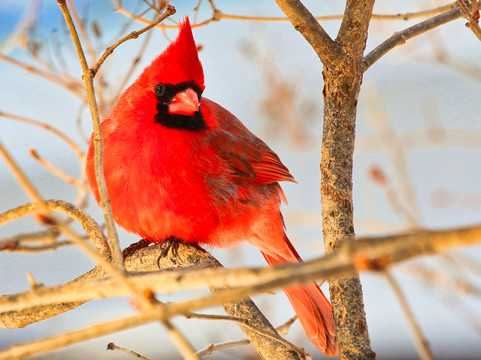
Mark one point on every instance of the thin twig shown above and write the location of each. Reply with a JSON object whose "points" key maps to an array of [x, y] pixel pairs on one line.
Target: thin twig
{"points": [[181, 342], [420, 341], [245, 323], [12, 242], [75, 147], [90, 226], [219, 346], [97, 141], [400, 37], [219, 15], [57, 172], [133, 65], [74, 86], [83, 31], [282, 329], [112, 346], [170, 10], [473, 23], [78, 123], [37, 248]]}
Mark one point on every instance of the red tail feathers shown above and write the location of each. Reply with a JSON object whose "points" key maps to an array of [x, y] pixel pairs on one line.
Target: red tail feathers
{"points": [[311, 306]]}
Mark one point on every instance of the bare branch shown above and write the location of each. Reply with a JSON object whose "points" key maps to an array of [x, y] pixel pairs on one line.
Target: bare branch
{"points": [[83, 31], [224, 345], [400, 37], [369, 253], [304, 22], [420, 341], [473, 18], [90, 226], [48, 127], [112, 346], [17, 247], [20, 318], [57, 172], [180, 341], [12, 242], [245, 323], [170, 10], [74, 86], [218, 15], [97, 140]]}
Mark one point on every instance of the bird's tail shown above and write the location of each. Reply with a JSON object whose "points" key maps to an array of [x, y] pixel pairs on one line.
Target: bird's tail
{"points": [[310, 304]]}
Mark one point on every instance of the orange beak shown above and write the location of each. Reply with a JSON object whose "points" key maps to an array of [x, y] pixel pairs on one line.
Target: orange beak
{"points": [[184, 103]]}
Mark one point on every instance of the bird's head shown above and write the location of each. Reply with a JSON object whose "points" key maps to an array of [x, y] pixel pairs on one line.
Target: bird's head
{"points": [[169, 90]]}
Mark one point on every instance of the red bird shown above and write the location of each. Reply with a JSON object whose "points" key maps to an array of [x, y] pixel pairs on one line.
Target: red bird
{"points": [[179, 165]]}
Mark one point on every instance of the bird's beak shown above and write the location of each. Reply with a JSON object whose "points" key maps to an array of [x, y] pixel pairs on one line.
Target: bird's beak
{"points": [[185, 103]]}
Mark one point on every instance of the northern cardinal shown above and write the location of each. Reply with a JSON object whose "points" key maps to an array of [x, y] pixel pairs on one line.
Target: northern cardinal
{"points": [[179, 165]]}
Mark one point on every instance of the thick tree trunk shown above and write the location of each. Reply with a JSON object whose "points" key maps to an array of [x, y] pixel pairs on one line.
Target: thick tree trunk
{"points": [[342, 83], [341, 89]]}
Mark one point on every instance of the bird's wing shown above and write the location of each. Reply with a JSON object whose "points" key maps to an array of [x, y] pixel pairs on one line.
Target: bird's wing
{"points": [[252, 160]]}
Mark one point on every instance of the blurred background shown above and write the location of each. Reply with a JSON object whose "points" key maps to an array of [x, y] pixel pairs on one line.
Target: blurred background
{"points": [[417, 160]]}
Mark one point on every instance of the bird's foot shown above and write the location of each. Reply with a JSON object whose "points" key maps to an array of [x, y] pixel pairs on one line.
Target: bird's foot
{"points": [[142, 243], [172, 243]]}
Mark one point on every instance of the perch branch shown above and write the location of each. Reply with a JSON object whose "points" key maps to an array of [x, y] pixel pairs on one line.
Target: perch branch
{"points": [[190, 256], [371, 253]]}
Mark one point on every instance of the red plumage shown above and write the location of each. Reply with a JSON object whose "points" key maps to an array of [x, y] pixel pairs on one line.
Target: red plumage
{"points": [[213, 183]]}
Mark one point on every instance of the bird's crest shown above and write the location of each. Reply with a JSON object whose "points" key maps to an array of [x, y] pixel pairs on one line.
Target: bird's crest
{"points": [[178, 63]]}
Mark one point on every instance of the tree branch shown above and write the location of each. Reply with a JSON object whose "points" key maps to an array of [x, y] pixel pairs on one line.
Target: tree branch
{"points": [[219, 15], [68, 140], [473, 18], [304, 22], [90, 226], [420, 341], [170, 10], [97, 140], [368, 253], [400, 37], [151, 259], [352, 34]]}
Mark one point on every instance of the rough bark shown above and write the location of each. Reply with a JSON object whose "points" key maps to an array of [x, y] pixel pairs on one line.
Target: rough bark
{"points": [[342, 83], [188, 255], [342, 73]]}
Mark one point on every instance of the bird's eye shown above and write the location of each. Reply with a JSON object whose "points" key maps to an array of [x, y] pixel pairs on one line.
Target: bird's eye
{"points": [[159, 89]]}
